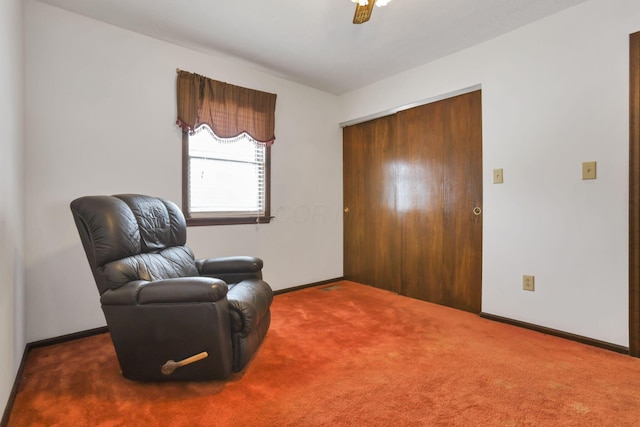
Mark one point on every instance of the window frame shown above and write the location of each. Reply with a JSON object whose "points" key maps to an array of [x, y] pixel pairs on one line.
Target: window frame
{"points": [[223, 220]]}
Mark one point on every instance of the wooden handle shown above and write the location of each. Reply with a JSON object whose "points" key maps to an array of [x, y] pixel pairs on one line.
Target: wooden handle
{"points": [[170, 366]]}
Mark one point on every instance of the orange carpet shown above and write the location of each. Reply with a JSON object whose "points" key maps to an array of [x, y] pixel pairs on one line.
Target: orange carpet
{"points": [[349, 354]]}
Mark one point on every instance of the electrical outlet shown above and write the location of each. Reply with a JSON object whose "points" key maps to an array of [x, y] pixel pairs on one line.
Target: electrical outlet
{"points": [[498, 177], [528, 283]]}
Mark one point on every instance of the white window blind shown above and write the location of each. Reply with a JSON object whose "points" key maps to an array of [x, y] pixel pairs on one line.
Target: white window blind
{"points": [[226, 176]]}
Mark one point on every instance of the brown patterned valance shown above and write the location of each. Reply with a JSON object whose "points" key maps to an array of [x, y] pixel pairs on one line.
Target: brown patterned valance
{"points": [[228, 110]]}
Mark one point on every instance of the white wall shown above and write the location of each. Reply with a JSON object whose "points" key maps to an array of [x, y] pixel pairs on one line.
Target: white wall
{"points": [[555, 94], [100, 105], [12, 339]]}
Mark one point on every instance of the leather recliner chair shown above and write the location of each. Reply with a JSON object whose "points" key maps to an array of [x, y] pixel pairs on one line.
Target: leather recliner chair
{"points": [[170, 317]]}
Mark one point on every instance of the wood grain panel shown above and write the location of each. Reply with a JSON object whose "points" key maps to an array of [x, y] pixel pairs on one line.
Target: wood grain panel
{"points": [[420, 195], [371, 237], [462, 263], [634, 197], [411, 182], [442, 238]]}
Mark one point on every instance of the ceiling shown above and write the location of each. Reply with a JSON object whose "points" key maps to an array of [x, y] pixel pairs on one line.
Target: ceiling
{"points": [[314, 42]]}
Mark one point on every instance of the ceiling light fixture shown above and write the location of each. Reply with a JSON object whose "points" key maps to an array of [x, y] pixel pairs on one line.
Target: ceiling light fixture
{"points": [[364, 7], [378, 3]]}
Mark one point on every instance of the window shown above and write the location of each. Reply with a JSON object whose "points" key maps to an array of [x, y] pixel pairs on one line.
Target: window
{"points": [[227, 134], [226, 180]]}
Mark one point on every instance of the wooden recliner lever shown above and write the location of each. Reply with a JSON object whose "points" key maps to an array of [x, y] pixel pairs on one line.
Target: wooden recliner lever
{"points": [[170, 365]]}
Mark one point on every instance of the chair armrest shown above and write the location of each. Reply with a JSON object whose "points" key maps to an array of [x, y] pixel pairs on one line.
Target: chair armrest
{"points": [[249, 302], [179, 290], [227, 265]]}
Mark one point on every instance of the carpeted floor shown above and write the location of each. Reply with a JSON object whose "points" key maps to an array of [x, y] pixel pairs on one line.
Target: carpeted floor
{"points": [[349, 354]]}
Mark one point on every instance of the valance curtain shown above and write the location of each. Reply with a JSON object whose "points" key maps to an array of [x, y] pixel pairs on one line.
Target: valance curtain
{"points": [[228, 110]]}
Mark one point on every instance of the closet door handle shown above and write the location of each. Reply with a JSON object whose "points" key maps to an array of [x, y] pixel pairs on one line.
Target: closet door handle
{"points": [[346, 210], [477, 211]]}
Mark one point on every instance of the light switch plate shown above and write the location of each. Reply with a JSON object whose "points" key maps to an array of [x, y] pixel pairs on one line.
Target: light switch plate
{"points": [[588, 170], [528, 283], [498, 177]]}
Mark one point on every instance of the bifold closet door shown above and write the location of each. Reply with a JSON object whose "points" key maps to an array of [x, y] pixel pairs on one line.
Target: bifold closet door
{"points": [[371, 228]]}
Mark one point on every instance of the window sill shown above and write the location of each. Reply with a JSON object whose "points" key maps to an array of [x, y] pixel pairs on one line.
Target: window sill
{"points": [[195, 222]]}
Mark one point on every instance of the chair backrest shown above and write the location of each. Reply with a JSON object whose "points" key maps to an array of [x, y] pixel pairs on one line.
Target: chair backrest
{"points": [[129, 237]]}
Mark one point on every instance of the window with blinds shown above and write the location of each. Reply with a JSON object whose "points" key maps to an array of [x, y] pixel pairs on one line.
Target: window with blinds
{"points": [[227, 178]]}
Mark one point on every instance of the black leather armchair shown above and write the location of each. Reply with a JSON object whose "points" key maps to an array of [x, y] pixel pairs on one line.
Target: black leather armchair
{"points": [[170, 316]]}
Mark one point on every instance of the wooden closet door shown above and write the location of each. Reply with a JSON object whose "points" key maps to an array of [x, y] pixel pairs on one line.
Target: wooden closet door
{"points": [[371, 228], [442, 237], [420, 146], [411, 183], [462, 246]]}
